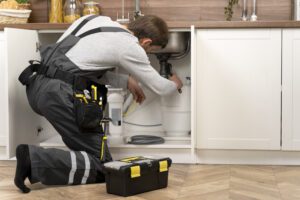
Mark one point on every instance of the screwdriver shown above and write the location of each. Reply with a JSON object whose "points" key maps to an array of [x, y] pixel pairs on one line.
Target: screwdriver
{"points": [[94, 92], [81, 96]]}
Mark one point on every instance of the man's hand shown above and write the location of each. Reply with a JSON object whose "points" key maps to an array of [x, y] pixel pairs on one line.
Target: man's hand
{"points": [[176, 80], [136, 90]]}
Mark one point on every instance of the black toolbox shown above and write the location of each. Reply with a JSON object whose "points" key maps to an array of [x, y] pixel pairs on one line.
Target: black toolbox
{"points": [[135, 175]]}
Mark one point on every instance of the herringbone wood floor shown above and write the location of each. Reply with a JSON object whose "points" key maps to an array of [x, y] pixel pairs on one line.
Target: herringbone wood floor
{"points": [[186, 182]]}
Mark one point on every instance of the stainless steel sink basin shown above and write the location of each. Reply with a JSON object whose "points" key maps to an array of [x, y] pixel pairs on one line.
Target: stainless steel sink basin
{"points": [[178, 43], [177, 48]]}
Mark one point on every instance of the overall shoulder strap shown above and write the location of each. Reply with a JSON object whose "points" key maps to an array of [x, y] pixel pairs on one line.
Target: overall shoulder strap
{"points": [[95, 30], [58, 45], [86, 20], [102, 29]]}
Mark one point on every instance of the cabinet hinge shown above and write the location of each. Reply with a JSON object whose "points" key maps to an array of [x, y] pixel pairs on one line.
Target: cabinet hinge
{"points": [[38, 46]]}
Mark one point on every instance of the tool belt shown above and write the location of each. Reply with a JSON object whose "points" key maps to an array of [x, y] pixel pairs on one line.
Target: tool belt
{"points": [[36, 67], [89, 97]]}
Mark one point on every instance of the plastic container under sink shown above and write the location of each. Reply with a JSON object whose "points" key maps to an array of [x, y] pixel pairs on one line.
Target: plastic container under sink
{"points": [[176, 113]]}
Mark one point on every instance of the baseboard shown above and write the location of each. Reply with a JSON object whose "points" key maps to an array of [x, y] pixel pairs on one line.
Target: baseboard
{"points": [[247, 157], [177, 155]]}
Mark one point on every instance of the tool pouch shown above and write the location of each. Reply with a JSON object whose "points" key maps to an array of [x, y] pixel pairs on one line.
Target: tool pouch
{"points": [[89, 112], [88, 116]]}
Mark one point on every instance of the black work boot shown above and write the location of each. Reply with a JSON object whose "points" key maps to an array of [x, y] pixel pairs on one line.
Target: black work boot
{"points": [[23, 169]]}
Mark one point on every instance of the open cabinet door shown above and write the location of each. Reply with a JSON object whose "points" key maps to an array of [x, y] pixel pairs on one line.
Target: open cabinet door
{"points": [[21, 46], [3, 119], [193, 87]]}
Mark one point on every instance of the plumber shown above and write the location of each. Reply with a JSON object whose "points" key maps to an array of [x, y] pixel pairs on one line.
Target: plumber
{"points": [[67, 87]]}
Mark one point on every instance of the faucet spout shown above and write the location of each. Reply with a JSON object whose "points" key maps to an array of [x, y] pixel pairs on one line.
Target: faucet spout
{"points": [[254, 16], [137, 12], [245, 11]]}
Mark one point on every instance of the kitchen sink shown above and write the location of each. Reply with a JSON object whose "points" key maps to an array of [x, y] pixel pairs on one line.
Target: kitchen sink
{"points": [[178, 43]]}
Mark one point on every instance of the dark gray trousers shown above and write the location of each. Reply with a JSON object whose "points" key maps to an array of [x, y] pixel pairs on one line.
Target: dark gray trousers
{"points": [[53, 99]]}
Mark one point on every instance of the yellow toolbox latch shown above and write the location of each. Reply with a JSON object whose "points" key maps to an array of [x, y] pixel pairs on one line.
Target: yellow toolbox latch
{"points": [[135, 171], [163, 166]]}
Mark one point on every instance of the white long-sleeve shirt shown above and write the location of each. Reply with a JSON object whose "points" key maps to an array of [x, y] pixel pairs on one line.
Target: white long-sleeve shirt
{"points": [[108, 50]]}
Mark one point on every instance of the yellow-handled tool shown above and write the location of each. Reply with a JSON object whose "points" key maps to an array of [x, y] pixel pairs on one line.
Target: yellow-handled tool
{"points": [[94, 92], [81, 96], [102, 156]]}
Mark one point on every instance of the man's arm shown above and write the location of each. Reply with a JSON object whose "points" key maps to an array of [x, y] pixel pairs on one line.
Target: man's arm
{"points": [[116, 80], [123, 81], [136, 62]]}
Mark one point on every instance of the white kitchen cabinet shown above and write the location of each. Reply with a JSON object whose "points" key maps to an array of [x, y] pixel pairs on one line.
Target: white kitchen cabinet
{"points": [[20, 125], [291, 89], [23, 123], [238, 89]]}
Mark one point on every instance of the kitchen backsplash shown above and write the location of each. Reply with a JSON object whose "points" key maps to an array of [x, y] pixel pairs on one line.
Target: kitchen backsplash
{"points": [[182, 10]]}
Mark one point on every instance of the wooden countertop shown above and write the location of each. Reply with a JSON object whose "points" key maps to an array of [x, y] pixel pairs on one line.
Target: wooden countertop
{"points": [[236, 24], [176, 24], [36, 26]]}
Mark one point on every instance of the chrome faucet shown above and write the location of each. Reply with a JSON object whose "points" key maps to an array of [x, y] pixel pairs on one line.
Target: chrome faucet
{"points": [[245, 11], [254, 16], [138, 11]]}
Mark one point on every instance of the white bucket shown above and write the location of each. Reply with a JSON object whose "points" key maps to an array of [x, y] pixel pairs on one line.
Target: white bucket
{"points": [[176, 112]]}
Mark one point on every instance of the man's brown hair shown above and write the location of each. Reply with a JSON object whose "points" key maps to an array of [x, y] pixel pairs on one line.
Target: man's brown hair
{"points": [[150, 26]]}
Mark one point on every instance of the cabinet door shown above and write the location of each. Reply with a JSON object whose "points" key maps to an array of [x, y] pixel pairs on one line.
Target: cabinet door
{"points": [[238, 89], [291, 89], [3, 119], [23, 122]]}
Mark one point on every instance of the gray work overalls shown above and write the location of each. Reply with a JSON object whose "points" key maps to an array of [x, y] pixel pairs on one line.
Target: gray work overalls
{"points": [[50, 93]]}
